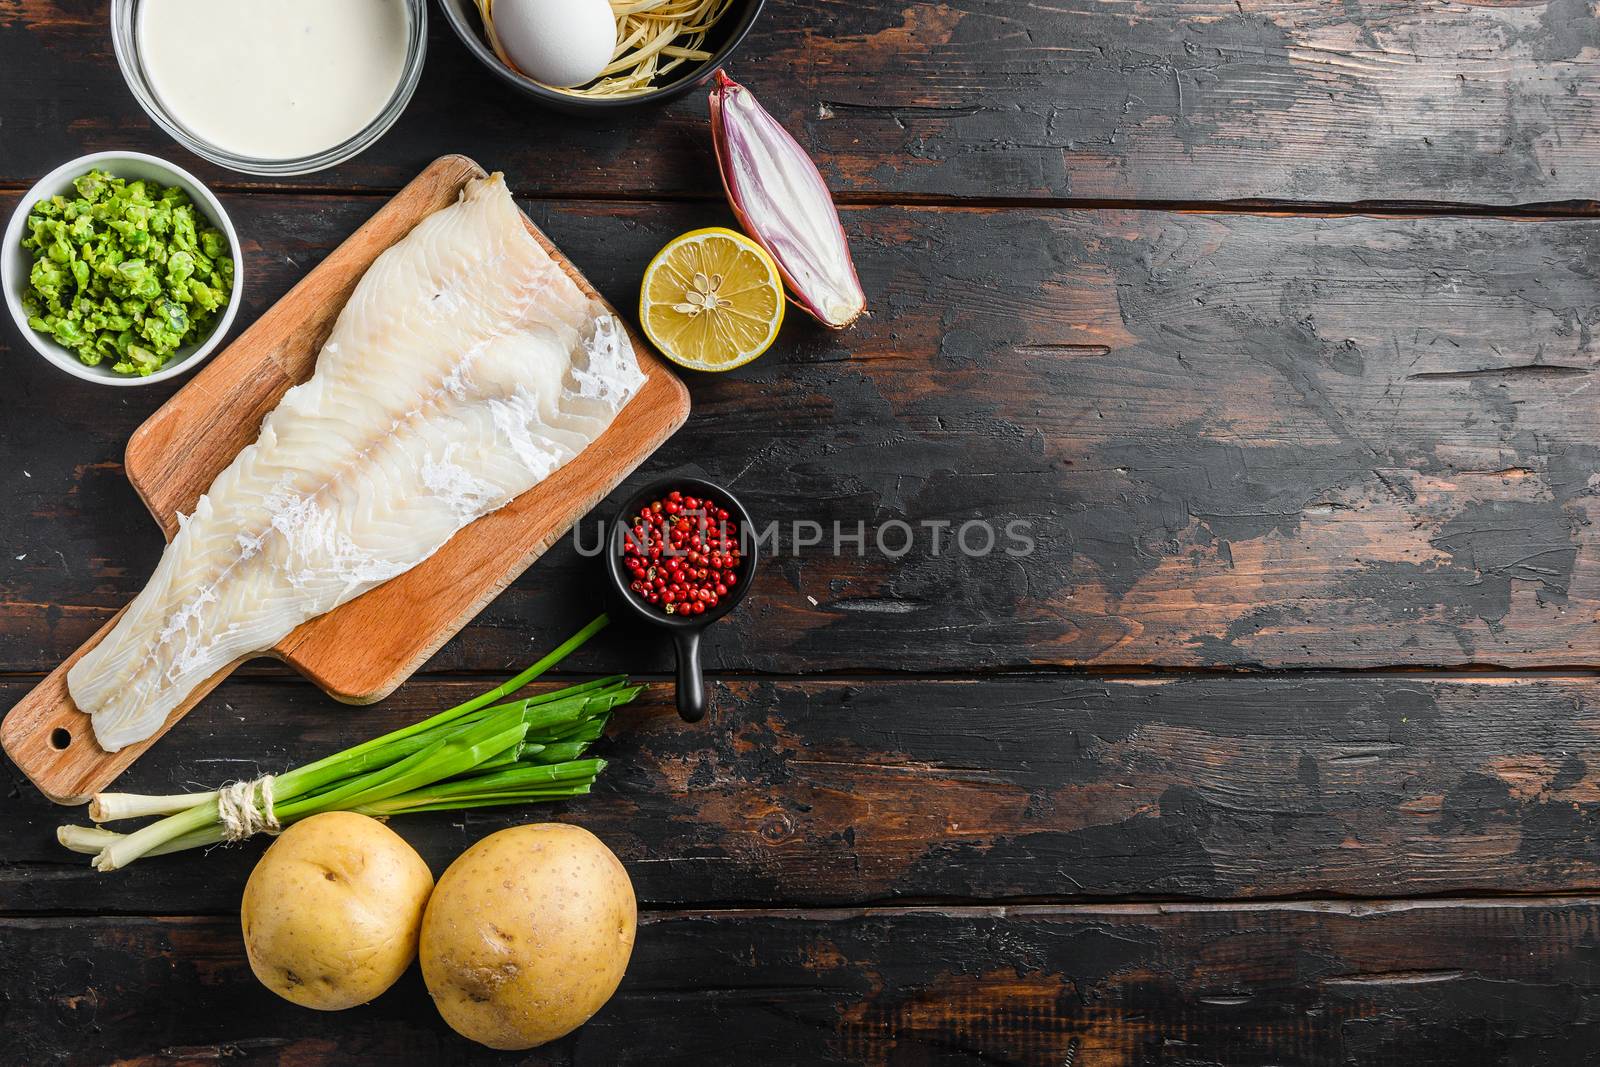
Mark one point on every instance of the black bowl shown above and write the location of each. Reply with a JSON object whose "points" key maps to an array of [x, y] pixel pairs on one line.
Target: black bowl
{"points": [[685, 629], [724, 39]]}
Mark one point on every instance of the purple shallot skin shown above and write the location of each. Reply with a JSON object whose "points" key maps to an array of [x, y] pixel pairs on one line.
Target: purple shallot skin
{"points": [[784, 205]]}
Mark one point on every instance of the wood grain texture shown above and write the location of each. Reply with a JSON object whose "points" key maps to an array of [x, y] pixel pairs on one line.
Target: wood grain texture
{"points": [[1482, 103], [1437, 984], [825, 793], [1235, 441], [363, 650]]}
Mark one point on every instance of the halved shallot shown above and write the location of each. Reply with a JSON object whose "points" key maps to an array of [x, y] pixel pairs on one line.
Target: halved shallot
{"points": [[783, 203]]}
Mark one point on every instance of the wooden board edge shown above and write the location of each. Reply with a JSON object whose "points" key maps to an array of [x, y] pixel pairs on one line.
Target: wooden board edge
{"points": [[395, 679], [659, 376], [218, 367], [27, 729]]}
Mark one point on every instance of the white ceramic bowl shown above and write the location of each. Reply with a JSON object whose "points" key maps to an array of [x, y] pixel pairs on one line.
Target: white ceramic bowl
{"points": [[125, 40], [16, 262]]}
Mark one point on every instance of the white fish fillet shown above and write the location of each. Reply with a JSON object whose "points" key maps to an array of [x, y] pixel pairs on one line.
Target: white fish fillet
{"points": [[465, 368]]}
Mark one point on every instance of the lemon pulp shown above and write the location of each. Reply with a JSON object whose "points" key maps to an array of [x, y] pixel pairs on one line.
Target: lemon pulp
{"points": [[712, 300]]}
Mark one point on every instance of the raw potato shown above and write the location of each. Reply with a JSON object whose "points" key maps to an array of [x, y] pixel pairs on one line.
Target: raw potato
{"points": [[528, 935], [331, 912]]}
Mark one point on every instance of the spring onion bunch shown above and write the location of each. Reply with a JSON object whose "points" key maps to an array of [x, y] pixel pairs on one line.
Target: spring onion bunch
{"points": [[486, 752]]}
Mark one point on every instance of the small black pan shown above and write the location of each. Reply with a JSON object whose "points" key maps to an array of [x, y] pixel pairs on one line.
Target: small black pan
{"points": [[686, 630]]}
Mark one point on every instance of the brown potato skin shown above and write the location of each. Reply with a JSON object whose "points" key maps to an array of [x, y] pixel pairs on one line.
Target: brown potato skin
{"points": [[332, 911], [527, 935]]}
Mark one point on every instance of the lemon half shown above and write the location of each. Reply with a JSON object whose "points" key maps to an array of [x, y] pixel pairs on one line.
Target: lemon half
{"points": [[711, 300]]}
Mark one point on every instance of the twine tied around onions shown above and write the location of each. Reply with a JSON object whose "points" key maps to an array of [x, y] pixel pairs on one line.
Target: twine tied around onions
{"points": [[245, 808]]}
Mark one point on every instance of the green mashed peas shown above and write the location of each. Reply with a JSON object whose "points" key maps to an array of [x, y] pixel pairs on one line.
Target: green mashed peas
{"points": [[126, 271]]}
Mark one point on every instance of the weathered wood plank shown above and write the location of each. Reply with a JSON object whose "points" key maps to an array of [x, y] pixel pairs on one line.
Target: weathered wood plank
{"points": [[1440, 983], [1234, 440], [1186, 100], [854, 792]]}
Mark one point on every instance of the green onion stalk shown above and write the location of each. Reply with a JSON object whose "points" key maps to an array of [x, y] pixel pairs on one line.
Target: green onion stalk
{"points": [[486, 752]]}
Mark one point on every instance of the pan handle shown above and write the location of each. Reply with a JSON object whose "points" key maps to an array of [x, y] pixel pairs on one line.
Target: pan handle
{"points": [[691, 685]]}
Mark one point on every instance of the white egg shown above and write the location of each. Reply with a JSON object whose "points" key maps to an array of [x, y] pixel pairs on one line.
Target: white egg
{"points": [[558, 42]]}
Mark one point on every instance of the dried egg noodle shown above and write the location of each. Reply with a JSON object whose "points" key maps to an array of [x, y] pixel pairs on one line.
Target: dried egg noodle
{"points": [[654, 37]]}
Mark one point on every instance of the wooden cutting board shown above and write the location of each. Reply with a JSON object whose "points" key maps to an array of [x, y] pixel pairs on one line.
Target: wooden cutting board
{"points": [[362, 651]]}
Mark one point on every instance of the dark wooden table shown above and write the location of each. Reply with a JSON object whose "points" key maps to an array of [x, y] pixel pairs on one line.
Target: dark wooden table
{"points": [[1273, 319]]}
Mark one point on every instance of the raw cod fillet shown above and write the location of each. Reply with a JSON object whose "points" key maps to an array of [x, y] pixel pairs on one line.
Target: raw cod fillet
{"points": [[465, 368]]}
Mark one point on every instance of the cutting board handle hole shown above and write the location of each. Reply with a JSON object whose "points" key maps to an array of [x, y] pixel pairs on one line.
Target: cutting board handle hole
{"points": [[60, 738]]}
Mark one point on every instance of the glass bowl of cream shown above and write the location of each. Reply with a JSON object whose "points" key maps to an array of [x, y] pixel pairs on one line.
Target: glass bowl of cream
{"points": [[272, 87]]}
